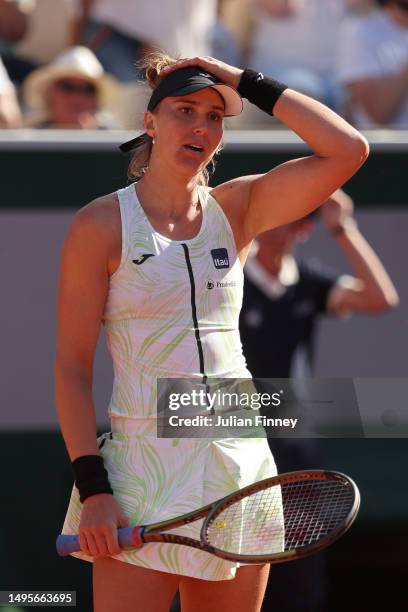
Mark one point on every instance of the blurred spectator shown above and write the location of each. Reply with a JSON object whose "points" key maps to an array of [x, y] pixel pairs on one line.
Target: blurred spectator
{"points": [[362, 6], [71, 92], [237, 14], [121, 31], [41, 43], [10, 115], [373, 64], [13, 26], [284, 298], [224, 45], [13, 19], [294, 41]]}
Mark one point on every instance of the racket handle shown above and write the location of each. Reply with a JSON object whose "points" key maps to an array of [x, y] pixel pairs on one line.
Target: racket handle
{"points": [[127, 536]]}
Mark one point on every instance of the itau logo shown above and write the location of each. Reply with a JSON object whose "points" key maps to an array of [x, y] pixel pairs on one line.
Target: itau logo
{"points": [[220, 258]]}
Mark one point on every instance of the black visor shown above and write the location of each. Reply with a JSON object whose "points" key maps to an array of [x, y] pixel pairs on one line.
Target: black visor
{"points": [[185, 81]]}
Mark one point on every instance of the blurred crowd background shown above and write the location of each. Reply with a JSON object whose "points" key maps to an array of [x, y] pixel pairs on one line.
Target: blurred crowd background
{"points": [[73, 63]]}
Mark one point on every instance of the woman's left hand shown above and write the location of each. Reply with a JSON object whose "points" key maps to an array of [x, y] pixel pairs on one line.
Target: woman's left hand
{"points": [[230, 75]]}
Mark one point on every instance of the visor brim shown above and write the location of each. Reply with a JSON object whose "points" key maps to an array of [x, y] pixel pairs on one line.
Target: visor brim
{"points": [[232, 100]]}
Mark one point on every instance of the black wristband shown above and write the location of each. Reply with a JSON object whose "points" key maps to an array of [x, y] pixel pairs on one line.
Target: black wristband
{"points": [[91, 476], [259, 90]]}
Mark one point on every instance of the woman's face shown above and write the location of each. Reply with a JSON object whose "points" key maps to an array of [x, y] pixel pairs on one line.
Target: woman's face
{"points": [[72, 102], [187, 130]]}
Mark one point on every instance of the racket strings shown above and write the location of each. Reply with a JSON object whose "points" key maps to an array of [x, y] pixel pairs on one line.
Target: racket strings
{"points": [[313, 510], [253, 524], [281, 518]]}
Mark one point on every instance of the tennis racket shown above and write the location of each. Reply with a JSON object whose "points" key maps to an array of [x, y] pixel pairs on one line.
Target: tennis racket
{"points": [[274, 520]]}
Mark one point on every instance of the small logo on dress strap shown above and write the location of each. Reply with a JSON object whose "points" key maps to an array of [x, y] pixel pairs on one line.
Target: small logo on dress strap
{"points": [[142, 258]]}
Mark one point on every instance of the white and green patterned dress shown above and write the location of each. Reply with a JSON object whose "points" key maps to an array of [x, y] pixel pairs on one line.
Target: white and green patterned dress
{"points": [[171, 312]]}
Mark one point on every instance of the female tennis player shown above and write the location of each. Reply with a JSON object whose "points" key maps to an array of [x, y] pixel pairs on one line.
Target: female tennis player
{"points": [[159, 263]]}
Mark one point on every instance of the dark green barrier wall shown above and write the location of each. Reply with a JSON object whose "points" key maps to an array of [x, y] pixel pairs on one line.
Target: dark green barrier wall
{"points": [[72, 179], [48, 172]]}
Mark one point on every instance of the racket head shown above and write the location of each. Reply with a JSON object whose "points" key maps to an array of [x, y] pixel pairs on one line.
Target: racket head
{"points": [[282, 518]]}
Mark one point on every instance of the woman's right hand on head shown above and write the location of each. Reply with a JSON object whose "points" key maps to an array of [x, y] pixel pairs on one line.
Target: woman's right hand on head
{"points": [[226, 73], [101, 516]]}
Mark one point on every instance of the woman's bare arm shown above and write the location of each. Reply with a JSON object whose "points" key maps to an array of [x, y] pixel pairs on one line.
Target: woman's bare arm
{"points": [[295, 188], [82, 290]]}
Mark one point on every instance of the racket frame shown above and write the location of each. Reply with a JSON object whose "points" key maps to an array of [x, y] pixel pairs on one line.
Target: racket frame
{"points": [[135, 537], [153, 533]]}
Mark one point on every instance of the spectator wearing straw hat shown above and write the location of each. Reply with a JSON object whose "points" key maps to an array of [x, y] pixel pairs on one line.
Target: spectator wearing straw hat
{"points": [[72, 92]]}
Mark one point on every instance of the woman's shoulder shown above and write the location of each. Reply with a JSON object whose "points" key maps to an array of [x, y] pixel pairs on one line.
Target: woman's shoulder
{"points": [[230, 188], [99, 212], [99, 219], [233, 196]]}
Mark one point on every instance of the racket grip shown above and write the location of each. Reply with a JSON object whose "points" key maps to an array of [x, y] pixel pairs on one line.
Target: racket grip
{"points": [[127, 536]]}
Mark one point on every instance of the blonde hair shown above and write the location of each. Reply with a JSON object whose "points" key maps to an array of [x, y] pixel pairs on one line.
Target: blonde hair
{"points": [[151, 65]]}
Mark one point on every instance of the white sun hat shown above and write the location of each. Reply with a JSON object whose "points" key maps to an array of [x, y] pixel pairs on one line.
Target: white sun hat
{"points": [[75, 62]]}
